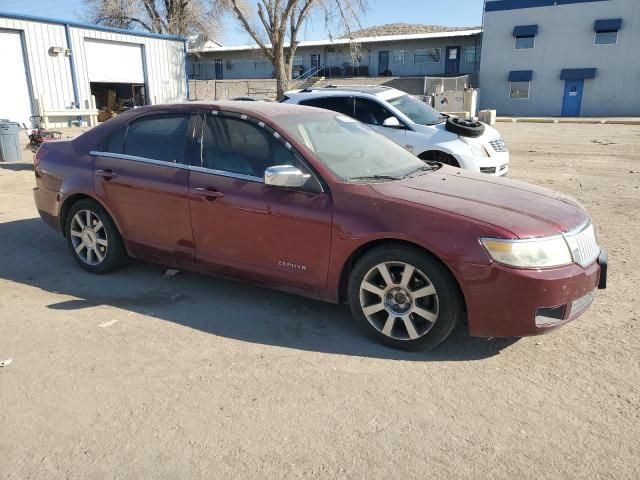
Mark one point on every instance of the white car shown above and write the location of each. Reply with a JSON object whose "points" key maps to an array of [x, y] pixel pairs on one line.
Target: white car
{"points": [[416, 126]]}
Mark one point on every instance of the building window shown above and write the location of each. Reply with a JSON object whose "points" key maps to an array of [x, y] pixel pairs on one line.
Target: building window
{"points": [[261, 65], [606, 38], [398, 57], [519, 90], [297, 60], [427, 55], [607, 31], [229, 65], [471, 54], [525, 42]]}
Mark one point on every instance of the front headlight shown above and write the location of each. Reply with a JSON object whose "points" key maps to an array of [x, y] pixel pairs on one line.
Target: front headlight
{"points": [[476, 147], [530, 253]]}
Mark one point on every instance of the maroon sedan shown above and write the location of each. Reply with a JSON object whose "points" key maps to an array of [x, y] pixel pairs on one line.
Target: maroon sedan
{"points": [[316, 203]]}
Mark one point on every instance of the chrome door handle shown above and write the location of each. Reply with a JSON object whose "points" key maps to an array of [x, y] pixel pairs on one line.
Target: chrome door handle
{"points": [[107, 174], [205, 192]]}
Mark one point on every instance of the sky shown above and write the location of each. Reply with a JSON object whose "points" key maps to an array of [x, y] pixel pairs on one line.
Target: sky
{"points": [[431, 12]]}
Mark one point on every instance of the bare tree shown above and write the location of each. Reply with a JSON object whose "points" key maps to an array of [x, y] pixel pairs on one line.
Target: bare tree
{"points": [[176, 17], [276, 26]]}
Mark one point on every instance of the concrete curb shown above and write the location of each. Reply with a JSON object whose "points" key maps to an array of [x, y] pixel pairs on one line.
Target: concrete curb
{"points": [[600, 121]]}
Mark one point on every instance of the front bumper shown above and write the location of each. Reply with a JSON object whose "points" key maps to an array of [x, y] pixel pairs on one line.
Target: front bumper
{"points": [[496, 165], [509, 302]]}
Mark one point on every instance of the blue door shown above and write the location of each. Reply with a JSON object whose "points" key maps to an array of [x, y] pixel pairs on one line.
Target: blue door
{"points": [[218, 64], [452, 60], [572, 98], [383, 63]]}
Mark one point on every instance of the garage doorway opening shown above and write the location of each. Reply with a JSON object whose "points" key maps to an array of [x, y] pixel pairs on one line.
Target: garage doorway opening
{"points": [[115, 98]]}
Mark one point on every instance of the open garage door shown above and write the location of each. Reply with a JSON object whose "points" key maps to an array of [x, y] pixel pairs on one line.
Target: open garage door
{"points": [[15, 102], [111, 62], [116, 76]]}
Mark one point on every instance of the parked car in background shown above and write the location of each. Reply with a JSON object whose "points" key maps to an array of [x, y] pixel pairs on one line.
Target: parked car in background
{"points": [[316, 203], [414, 125], [251, 98]]}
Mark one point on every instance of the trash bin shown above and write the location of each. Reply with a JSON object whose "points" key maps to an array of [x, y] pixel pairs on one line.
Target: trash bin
{"points": [[10, 142]]}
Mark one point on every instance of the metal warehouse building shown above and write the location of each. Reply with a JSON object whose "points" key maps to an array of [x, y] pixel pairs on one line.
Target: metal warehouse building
{"points": [[58, 68], [561, 57]]}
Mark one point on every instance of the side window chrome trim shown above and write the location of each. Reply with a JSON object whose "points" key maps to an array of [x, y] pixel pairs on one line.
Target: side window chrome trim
{"points": [[162, 163], [134, 158], [223, 173]]}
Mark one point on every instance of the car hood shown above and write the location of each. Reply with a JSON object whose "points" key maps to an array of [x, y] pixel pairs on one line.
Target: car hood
{"points": [[525, 210]]}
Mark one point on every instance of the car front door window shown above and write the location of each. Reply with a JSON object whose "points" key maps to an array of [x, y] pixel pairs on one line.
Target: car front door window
{"points": [[245, 148]]}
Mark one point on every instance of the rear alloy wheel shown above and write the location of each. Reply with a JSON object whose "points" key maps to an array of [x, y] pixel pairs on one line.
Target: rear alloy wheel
{"points": [[89, 237], [93, 238], [404, 298]]}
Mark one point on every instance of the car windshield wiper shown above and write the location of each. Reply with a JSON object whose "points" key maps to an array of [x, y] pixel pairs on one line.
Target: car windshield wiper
{"points": [[439, 120], [374, 177], [422, 169]]}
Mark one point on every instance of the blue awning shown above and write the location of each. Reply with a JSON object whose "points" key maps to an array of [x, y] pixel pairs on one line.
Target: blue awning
{"points": [[520, 75], [525, 31], [577, 73], [608, 25]]}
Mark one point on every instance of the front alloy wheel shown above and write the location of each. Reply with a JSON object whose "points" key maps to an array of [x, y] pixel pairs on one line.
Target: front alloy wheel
{"points": [[404, 297], [399, 300]]}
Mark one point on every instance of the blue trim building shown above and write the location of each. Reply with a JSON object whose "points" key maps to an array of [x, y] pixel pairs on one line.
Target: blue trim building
{"points": [[561, 57]]}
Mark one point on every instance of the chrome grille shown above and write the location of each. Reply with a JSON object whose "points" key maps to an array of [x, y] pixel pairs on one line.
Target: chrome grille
{"points": [[583, 245], [498, 145]]}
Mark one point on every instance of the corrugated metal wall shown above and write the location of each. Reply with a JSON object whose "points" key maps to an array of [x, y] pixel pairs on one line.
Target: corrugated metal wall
{"points": [[164, 64], [50, 75]]}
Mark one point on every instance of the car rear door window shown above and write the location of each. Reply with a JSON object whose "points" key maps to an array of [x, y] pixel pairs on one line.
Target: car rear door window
{"points": [[370, 112], [158, 137], [115, 143], [342, 105], [238, 146]]}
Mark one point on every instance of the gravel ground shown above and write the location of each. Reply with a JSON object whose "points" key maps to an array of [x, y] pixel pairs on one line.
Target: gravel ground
{"points": [[133, 375]]}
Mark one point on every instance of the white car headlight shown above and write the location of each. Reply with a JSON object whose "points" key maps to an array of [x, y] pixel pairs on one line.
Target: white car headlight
{"points": [[476, 147], [530, 253]]}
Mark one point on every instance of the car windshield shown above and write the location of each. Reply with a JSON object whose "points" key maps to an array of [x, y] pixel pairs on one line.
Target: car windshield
{"points": [[351, 150], [419, 112]]}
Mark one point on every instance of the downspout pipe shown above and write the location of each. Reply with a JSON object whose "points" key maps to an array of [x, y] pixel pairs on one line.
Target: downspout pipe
{"points": [[186, 71], [72, 65]]}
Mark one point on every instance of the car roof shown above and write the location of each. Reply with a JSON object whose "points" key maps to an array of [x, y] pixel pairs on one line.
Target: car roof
{"points": [[376, 90], [265, 109]]}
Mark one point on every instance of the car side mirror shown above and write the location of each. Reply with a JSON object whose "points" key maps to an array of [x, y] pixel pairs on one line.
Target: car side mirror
{"points": [[392, 122], [285, 176]]}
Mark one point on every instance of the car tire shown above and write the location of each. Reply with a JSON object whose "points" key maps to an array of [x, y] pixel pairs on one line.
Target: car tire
{"points": [[92, 237], [414, 305], [466, 127]]}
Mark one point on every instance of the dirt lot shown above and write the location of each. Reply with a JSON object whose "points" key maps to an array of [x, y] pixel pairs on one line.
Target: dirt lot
{"points": [[133, 375]]}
